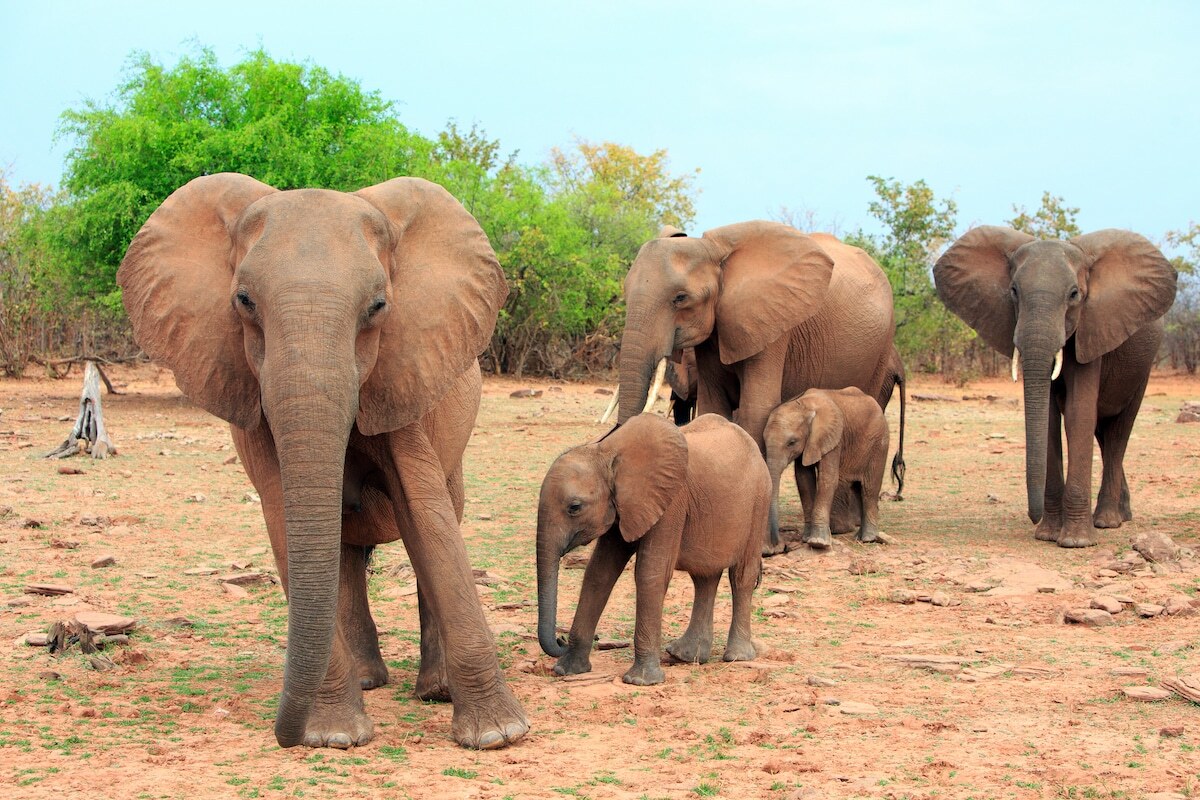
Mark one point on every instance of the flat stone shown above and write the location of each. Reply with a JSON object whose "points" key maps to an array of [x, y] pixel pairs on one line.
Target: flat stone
{"points": [[857, 709], [37, 639], [817, 680], [1178, 605], [48, 588], [245, 578], [1146, 694], [233, 590], [200, 571], [944, 600], [1155, 546], [104, 561], [1106, 603], [1087, 616], [1147, 610], [1047, 589], [903, 596], [1107, 573], [1130, 672]]}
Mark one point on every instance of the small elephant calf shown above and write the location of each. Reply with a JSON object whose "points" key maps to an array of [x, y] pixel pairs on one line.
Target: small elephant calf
{"points": [[834, 437], [695, 498]]}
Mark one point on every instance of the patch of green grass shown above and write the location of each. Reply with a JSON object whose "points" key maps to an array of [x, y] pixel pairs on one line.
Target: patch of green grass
{"points": [[458, 772], [706, 790]]}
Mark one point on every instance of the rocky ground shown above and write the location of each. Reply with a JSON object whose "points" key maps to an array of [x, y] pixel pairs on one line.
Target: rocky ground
{"points": [[142, 633]]}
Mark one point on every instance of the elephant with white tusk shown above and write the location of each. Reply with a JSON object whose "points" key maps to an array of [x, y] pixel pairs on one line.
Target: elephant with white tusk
{"points": [[1083, 321]]}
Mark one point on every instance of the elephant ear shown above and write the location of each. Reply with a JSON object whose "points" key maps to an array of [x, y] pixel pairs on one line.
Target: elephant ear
{"points": [[649, 470], [772, 279], [1130, 283], [825, 427], [973, 279], [176, 283], [447, 288]]}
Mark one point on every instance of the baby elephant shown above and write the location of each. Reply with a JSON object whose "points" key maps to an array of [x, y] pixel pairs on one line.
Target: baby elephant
{"points": [[695, 498], [833, 436]]}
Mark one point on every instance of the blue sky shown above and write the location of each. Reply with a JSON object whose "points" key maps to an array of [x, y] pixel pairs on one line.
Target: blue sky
{"points": [[778, 103]]}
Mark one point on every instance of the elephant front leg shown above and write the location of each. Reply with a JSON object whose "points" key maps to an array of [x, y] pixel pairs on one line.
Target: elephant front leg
{"points": [[608, 561], [806, 487], [652, 574], [486, 713], [827, 481], [1080, 423]]}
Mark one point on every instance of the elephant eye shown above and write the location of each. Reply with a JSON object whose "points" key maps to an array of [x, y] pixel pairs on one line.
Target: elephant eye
{"points": [[1012, 290], [377, 306], [680, 298], [791, 442], [574, 507], [243, 298], [1074, 294]]}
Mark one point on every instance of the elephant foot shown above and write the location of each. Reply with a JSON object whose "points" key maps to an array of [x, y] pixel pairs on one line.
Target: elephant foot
{"points": [[644, 674], [338, 726], [1049, 529], [572, 663], [432, 684], [740, 650], [1078, 536], [1109, 515], [372, 673], [690, 649], [867, 534], [490, 723], [769, 549], [817, 536]]}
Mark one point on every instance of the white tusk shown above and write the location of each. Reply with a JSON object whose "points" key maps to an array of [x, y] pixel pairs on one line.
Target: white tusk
{"points": [[612, 405], [659, 374], [1057, 365], [1016, 359]]}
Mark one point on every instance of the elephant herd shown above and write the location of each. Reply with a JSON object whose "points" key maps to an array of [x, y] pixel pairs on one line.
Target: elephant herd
{"points": [[338, 334]]}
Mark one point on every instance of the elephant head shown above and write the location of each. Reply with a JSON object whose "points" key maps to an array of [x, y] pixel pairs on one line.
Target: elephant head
{"points": [[311, 312], [748, 284], [805, 428], [627, 479], [1029, 298]]}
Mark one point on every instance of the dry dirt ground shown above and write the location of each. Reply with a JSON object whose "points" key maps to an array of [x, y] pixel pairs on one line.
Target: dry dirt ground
{"points": [[1009, 702]]}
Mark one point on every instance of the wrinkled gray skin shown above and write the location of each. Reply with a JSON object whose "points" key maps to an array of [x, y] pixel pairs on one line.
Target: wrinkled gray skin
{"points": [[692, 498], [770, 311], [1097, 298], [834, 437]]}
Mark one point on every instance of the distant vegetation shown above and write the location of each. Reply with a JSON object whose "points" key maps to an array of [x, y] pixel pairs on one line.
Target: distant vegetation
{"points": [[565, 230]]}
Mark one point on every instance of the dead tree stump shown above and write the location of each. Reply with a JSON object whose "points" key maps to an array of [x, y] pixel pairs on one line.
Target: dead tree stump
{"points": [[88, 435]]}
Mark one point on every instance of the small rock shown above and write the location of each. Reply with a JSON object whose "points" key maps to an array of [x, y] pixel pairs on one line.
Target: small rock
{"points": [[70, 471], [1155, 546], [817, 680], [830, 701], [200, 571], [1171, 730], [613, 644], [1146, 694], [526, 393], [944, 600], [1109, 604], [48, 589], [31, 523], [603, 391], [863, 566], [37, 639], [857, 709], [233, 590], [101, 663], [1147, 610], [903, 596], [231, 460], [1130, 672], [980, 586], [198, 497], [179, 622], [484, 517], [1087, 616], [50, 675], [245, 578], [63, 544], [1172, 647], [1179, 605], [1107, 573], [104, 561], [994, 499], [1047, 589]]}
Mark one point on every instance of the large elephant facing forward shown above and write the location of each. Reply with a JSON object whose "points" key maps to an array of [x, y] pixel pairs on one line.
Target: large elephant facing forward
{"points": [[1083, 318], [771, 312], [338, 335]]}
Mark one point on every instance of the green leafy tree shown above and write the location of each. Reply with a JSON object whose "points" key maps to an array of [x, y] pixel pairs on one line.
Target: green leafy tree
{"points": [[1182, 340], [1053, 219], [289, 125]]}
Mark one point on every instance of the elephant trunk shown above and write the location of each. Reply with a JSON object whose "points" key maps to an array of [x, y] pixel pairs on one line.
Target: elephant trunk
{"points": [[1037, 356], [775, 466], [641, 351], [548, 556], [310, 411]]}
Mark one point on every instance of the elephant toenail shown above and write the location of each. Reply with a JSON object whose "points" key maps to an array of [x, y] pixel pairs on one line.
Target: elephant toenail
{"points": [[341, 741], [491, 740], [515, 730]]}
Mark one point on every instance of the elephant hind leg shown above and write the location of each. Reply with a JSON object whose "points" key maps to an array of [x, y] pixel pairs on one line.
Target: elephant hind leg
{"points": [[744, 578], [695, 646], [1112, 504], [354, 618]]}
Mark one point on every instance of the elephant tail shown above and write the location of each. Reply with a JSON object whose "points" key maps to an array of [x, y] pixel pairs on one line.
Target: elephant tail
{"points": [[898, 466]]}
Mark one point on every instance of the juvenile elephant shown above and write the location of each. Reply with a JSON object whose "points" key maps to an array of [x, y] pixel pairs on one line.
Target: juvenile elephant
{"points": [[835, 437], [771, 313], [693, 498], [1083, 318], [338, 335]]}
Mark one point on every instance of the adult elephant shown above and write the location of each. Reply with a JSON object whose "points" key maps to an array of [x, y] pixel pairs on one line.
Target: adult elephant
{"points": [[338, 334], [771, 313], [1083, 318]]}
